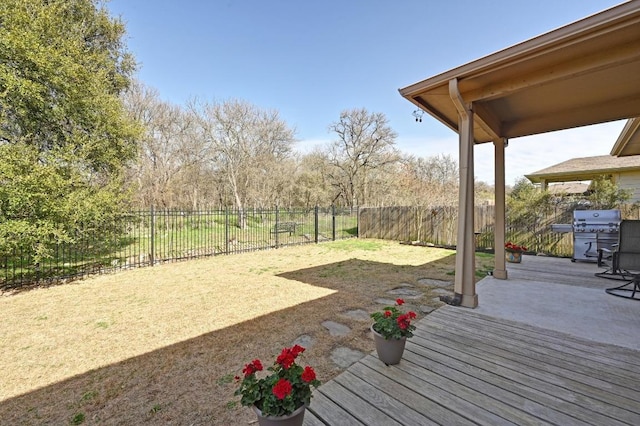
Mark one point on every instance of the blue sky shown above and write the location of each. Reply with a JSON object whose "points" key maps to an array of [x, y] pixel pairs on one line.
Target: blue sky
{"points": [[312, 59]]}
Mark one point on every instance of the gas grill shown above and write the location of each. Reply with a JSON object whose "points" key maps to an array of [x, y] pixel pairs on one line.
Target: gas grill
{"points": [[594, 230]]}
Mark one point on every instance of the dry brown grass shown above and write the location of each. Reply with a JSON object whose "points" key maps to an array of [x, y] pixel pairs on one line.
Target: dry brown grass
{"points": [[160, 345]]}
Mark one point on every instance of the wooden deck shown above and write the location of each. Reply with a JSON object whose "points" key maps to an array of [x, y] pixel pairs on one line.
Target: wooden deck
{"points": [[463, 368]]}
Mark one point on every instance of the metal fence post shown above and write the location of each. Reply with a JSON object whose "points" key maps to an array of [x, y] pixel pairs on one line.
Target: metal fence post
{"points": [[152, 243], [226, 230], [275, 228], [333, 222], [315, 225]]}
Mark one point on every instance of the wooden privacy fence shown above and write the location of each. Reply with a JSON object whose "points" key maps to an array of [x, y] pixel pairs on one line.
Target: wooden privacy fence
{"points": [[438, 226]]}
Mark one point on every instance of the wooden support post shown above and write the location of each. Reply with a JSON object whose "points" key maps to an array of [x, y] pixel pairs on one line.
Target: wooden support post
{"points": [[499, 268], [465, 287]]}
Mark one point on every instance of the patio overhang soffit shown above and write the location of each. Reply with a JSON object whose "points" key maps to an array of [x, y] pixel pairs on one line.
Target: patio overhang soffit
{"points": [[587, 72]]}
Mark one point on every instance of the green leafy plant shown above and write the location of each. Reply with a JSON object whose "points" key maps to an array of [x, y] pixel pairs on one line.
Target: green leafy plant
{"points": [[78, 419], [227, 378], [280, 393], [392, 323]]}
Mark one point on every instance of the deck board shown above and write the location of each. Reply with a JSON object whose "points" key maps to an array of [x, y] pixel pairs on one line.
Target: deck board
{"points": [[618, 392], [620, 359], [550, 354], [327, 411], [380, 398], [519, 380], [431, 412], [512, 387], [465, 368], [444, 397]]}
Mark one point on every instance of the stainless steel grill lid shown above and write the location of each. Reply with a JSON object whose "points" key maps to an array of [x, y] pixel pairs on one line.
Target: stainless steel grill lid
{"points": [[594, 230]]}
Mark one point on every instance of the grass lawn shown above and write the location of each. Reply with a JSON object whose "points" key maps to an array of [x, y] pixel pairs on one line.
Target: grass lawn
{"points": [[161, 345]]}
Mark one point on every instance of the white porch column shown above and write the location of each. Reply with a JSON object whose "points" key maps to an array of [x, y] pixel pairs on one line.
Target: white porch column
{"points": [[499, 268], [465, 286]]}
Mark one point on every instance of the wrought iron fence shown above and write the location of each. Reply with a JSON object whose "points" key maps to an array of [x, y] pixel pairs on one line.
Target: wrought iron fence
{"points": [[149, 237]]}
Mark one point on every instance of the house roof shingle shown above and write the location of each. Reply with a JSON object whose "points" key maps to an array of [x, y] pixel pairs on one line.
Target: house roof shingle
{"points": [[570, 188], [585, 168]]}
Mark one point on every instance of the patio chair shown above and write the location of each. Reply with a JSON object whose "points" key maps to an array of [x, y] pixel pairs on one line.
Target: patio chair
{"points": [[607, 259], [626, 261]]}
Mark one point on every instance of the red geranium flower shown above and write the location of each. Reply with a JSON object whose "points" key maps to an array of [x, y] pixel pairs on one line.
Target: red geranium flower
{"points": [[392, 323], [282, 389], [286, 358], [308, 375], [297, 350], [404, 321], [511, 246], [252, 367]]}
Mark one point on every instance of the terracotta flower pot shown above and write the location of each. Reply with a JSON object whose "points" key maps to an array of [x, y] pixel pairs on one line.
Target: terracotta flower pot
{"points": [[294, 419], [389, 351]]}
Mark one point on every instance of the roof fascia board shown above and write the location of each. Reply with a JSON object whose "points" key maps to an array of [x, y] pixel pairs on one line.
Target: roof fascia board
{"points": [[628, 131], [577, 173]]}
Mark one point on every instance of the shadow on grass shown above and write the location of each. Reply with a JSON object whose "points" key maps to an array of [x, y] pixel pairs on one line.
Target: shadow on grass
{"points": [[190, 382]]}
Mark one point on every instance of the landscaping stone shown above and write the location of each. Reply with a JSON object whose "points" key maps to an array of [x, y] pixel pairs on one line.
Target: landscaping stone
{"points": [[406, 293], [436, 283], [406, 285], [442, 292], [426, 309], [358, 314], [335, 328], [386, 302], [437, 300], [304, 340], [344, 357]]}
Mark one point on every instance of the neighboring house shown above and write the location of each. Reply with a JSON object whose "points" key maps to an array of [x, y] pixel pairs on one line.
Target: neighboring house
{"points": [[624, 171], [575, 189]]}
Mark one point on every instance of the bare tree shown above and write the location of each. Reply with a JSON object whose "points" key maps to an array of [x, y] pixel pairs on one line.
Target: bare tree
{"points": [[170, 165], [311, 186], [247, 146], [431, 181], [364, 143]]}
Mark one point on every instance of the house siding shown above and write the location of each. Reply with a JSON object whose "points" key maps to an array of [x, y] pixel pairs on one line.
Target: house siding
{"points": [[630, 181]]}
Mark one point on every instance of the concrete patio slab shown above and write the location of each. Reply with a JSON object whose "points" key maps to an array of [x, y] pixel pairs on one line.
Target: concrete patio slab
{"points": [[560, 295]]}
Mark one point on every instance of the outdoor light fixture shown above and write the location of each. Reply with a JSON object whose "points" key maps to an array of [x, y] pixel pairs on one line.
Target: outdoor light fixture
{"points": [[418, 115]]}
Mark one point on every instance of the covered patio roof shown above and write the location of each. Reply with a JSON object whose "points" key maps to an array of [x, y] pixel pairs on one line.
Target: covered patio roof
{"points": [[585, 73]]}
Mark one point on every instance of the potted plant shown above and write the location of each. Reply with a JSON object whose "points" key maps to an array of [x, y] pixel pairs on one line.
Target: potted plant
{"points": [[280, 397], [390, 329], [513, 252]]}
